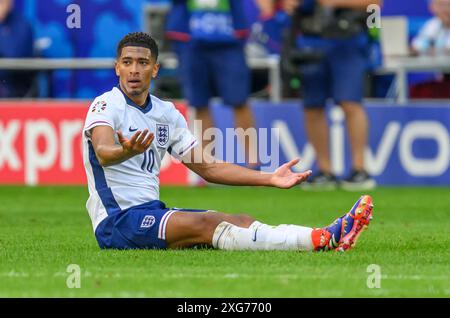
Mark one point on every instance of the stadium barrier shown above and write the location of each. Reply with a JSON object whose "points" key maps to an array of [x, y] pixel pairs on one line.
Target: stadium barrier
{"points": [[410, 145]]}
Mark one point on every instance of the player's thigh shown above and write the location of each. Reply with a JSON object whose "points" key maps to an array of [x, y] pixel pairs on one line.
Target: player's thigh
{"points": [[188, 228], [140, 227], [231, 74]]}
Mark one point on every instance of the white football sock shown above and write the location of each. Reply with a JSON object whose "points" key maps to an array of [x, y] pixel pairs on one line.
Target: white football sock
{"points": [[257, 224], [261, 236], [304, 233]]}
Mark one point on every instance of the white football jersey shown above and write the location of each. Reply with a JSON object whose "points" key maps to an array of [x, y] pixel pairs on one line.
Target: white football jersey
{"points": [[136, 180]]}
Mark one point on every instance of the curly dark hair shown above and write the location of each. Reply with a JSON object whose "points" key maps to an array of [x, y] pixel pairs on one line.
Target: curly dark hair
{"points": [[140, 39]]}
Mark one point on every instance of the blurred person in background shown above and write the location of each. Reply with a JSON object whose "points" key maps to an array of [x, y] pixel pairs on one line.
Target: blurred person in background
{"points": [[266, 39], [333, 42], [434, 36], [434, 40], [268, 27], [16, 41], [209, 38]]}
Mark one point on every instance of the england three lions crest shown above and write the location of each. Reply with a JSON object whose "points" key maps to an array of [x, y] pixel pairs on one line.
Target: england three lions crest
{"points": [[162, 134]]}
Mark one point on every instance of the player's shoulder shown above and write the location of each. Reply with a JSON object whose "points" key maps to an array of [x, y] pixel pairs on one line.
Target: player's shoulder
{"points": [[162, 104], [164, 108], [112, 99]]}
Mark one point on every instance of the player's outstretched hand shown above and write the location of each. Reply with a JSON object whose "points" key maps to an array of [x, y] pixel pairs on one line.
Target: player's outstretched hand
{"points": [[285, 178], [137, 144]]}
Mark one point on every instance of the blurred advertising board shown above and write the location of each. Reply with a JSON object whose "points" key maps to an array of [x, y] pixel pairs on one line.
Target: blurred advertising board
{"points": [[40, 142]]}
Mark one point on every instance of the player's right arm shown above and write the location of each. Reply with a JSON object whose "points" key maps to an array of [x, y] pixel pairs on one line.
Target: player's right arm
{"points": [[109, 153]]}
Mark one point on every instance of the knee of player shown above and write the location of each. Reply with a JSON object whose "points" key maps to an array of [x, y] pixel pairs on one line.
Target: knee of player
{"points": [[246, 220], [205, 224]]}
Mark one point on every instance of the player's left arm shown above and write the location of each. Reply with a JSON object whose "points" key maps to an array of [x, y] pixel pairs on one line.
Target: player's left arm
{"points": [[231, 174]]}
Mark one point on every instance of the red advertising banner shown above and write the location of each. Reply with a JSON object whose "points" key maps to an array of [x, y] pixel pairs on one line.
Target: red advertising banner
{"points": [[40, 143]]}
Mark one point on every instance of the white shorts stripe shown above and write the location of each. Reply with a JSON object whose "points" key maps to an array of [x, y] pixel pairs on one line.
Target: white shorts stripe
{"points": [[163, 224]]}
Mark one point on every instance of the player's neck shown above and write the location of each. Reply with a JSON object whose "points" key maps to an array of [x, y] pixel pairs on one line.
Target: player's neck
{"points": [[140, 100]]}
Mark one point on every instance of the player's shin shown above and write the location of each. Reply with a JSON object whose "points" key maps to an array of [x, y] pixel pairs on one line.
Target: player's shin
{"points": [[261, 237], [317, 239]]}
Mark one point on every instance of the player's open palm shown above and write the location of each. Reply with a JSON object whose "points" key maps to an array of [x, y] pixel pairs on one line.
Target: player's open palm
{"points": [[285, 178], [138, 143]]}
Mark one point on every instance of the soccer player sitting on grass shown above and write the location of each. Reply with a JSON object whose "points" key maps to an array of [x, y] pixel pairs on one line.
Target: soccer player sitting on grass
{"points": [[127, 133]]}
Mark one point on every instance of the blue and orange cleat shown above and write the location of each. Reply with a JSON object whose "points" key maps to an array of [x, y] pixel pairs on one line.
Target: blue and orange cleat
{"points": [[342, 234], [328, 238], [355, 222]]}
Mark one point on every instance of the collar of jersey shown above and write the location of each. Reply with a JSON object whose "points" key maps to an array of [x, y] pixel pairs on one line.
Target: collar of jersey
{"points": [[148, 102]]}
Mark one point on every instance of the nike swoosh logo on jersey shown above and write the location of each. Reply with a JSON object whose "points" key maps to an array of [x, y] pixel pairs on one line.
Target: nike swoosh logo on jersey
{"points": [[132, 129]]}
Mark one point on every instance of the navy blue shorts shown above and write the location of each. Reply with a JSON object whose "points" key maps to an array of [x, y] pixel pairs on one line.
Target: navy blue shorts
{"points": [[340, 76], [208, 71], [139, 227]]}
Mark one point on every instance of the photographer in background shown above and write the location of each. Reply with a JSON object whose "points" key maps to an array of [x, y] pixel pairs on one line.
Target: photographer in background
{"points": [[16, 41], [331, 47]]}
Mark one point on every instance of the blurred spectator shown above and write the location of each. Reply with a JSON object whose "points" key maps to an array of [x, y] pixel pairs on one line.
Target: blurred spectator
{"points": [[267, 38], [434, 37], [266, 35], [16, 41], [209, 38], [332, 48], [434, 40]]}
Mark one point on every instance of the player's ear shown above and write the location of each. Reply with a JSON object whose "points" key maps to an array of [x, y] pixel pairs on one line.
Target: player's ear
{"points": [[116, 66], [156, 70]]}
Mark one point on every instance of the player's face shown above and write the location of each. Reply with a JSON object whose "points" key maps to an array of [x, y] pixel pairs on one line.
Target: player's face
{"points": [[136, 68]]}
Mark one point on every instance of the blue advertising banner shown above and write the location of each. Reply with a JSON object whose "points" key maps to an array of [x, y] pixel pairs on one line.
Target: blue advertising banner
{"points": [[408, 145]]}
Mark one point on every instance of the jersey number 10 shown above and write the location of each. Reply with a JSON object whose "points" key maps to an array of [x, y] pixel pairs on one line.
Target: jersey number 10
{"points": [[149, 161]]}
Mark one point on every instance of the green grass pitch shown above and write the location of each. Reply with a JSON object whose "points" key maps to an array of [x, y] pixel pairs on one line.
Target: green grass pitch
{"points": [[45, 229]]}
